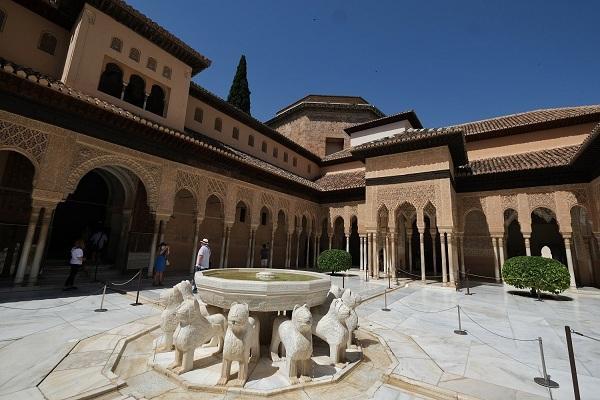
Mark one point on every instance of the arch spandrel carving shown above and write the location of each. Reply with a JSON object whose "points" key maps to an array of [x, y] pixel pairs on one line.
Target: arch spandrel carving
{"points": [[30, 142], [541, 200], [148, 175]]}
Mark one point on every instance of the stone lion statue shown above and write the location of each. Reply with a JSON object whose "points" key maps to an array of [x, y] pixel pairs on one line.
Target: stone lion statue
{"points": [[241, 343], [332, 329], [335, 292], [296, 336], [171, 299], [352, 300], [194, 330]]}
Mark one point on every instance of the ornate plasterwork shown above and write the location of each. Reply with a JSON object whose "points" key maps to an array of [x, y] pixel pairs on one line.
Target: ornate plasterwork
{"points": [[509, 201], [541, 200], [31, 142], [88, 158], [416, 194]]}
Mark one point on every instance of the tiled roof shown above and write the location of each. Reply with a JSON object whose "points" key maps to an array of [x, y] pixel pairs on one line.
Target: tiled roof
{"points": [[408, 135], [193, 138], [548, 158], [527, 121], [346, 153], [409, 115], [342, 180], [220, 104]]}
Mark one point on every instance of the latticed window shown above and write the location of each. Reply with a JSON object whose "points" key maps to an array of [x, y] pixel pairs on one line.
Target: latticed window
{"points": [[116, 44], [151, 64], [198, 114], [47, 43], [285, 156], [264, 147], [275, 152], [134, 54], [294, 161], [218, 124], [167, 72], [251, 140], [236, 133]]}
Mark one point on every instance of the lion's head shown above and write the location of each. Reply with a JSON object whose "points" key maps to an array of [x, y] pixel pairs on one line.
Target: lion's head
{"points": [[185, 287], [351, 299], [302, 318], [237, 318], [339, 309], [336, 291], [171, 297], [187, 312]]}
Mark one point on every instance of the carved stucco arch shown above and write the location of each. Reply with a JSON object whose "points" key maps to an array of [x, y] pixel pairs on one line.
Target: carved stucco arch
{"points": [[134, 167], [28, 156]]}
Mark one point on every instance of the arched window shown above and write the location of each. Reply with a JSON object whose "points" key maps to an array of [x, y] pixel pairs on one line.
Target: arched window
{"points": [[236, 133], [218, 124], [116, 44], [151, 64], [251, 140], [135, 91], [111, 80], [198, 114], [134, 54], [275, 152], [47, 43], [156, 101], [264, 147], [167, 72], [2, 19]]}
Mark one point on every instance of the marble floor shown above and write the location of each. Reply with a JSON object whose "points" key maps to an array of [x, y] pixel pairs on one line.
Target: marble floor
{"points": [[486, 363]]}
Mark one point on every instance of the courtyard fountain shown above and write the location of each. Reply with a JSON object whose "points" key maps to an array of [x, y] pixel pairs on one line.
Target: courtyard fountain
{"points": [[256, 329]]}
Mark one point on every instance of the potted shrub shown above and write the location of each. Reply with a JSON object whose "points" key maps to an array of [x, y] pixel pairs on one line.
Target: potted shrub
{"points": [[334, 261], [537, 273]]}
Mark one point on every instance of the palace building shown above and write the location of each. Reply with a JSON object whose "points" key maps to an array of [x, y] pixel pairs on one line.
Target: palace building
{"points": [[101, 125]]}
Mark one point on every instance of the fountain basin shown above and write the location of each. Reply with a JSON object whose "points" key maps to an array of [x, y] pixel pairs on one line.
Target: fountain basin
{"points": [[222, 287]]}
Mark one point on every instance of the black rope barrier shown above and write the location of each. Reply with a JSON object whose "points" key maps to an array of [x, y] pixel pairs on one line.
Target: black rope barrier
{"points": [[583, 335], [57, 306]]}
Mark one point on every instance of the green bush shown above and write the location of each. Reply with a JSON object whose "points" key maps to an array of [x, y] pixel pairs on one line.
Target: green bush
{"points": [[537, 273], [334, 261]]}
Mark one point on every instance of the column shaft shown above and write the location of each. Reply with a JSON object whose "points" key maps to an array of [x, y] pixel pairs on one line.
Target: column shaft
{"points": [[434, 248], [223, 243], [462, 256], [496, 256], [451, 258], [271, 246], [33, 219], [443, 249], [41, 246], [527, 244], [227, 240], [570, 261], [157, 225], [501, 251], [422, 251], [195, 246]]}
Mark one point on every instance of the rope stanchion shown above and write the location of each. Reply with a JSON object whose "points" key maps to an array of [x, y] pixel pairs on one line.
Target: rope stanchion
{"points": [[545, 380], [497, 334], [137, 295], [460, 330], [426, 312], [572, 363], [417, 276], [102, 309], [385, 307], [585, 336], [51, 307], [126, 282]]}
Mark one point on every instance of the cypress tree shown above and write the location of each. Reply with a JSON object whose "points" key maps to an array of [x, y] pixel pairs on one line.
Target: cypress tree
{"points": [[239, 94]]}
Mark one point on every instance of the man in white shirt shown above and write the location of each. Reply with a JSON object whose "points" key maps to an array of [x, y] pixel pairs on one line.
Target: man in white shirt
{"points": [[202, 260]]}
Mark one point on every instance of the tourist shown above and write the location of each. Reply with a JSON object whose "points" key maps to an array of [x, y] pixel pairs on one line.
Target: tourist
{"points": [[202, 260], [98, 244], [264, 256], [161, 263], [76, 263]]}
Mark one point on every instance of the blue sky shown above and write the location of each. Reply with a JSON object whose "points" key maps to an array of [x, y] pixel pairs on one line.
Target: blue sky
{"points": [[451, 61]]}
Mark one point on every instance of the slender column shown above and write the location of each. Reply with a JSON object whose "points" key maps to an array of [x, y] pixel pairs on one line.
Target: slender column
{"points": [[360, 261], [123, 89], [287, 251], [316, 250], [308, 236], [451, 259], [410, 261], [348, 243], [157, 225], [375, 269], [33, 219], [223, 243], [41, 245], [570, 260], [369, 253], [443, 249], [434, 248], [496, 256], [146, 95], [501, 251], [422, 251], [297, 248], [271, 245], [462, 256], [394, 251], [195, 244], [163, 228], [385, 253], [249, 250], [527, 238], [330, 240], [227, 240], [253, 248]]}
